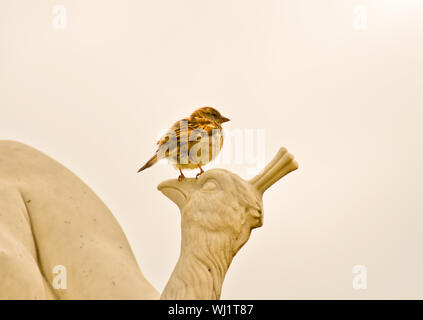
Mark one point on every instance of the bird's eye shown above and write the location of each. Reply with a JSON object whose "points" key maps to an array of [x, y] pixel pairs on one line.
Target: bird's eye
{"points": [[209, 186]]}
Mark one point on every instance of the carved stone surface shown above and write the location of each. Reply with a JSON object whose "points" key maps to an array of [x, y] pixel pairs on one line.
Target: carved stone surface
{"points": [[49, 218], [218, 212]]}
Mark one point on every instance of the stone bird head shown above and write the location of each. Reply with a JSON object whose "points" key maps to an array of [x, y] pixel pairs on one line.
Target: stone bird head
{"points": [[220, 202]]}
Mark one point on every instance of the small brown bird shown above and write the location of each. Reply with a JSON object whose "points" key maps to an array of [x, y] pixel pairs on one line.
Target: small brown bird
{"points": [[191, 142]]}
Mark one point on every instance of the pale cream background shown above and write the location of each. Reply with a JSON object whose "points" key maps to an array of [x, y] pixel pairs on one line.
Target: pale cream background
{"points": [[346, 103]]}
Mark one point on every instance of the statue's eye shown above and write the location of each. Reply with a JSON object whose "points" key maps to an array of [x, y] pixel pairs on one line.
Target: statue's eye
{"points": [[209, 186]]}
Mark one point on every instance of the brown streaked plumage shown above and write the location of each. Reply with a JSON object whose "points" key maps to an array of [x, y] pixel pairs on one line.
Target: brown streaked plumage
{"points": [[202, 131]]}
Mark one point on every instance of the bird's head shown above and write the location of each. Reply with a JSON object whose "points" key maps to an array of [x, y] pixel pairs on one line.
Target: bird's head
{"points": [[210, 114], [221, 202]]}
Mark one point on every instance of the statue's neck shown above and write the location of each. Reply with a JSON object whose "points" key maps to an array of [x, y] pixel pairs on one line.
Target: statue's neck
{"points": [[202, 265]]}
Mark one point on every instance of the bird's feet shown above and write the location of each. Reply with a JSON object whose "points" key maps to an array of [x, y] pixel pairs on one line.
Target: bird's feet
{"points": [[200, 173], [181, 177]]}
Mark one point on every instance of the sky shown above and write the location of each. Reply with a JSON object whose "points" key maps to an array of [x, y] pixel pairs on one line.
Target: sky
{"points": [[338, 83]]}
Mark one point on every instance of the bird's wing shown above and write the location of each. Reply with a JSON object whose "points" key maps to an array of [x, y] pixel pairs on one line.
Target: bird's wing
{"points": [[187, 126], [174, 130], [191, 125]]}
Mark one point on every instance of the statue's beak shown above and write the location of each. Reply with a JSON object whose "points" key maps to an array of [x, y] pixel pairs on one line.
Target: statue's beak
{"points": [[177, 191], [224, 119]]}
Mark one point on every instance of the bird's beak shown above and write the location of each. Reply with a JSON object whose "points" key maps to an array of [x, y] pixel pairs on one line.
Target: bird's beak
{"points": [[224, 119], [177, 191]]}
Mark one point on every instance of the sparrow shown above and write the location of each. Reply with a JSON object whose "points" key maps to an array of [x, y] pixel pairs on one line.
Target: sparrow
{"points": [[191, 142]]}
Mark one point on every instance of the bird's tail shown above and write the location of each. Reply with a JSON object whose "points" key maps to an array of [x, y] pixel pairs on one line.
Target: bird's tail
{"points": [[149, 163]]}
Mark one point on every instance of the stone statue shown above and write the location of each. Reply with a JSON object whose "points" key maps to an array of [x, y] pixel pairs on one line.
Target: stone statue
{"points": [[50, 220]]}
